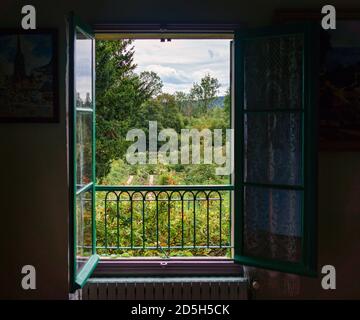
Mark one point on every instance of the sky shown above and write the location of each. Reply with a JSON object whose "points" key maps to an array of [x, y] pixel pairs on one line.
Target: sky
{"points": [[83, 67], [180, 62]]}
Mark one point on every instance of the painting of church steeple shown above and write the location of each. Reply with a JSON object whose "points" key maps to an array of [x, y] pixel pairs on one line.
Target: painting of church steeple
{"points": [[28, 76], [19, 63]]}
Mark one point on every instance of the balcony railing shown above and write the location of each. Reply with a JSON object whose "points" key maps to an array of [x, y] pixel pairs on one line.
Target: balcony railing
{"points": [[134, 221]]}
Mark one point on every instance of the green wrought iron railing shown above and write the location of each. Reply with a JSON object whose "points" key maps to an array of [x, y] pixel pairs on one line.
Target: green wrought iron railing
{"points": [[163, 220]]}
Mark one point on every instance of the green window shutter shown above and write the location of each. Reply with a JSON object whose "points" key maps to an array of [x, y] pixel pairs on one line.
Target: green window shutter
{"points": [[83, 258], [275, 148]]}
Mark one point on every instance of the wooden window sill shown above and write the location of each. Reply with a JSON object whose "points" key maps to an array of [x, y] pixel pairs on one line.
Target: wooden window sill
{"points": [[167, 267]]}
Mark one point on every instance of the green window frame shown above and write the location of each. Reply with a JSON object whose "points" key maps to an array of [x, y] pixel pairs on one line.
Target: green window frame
{"points": [[83, 258], [307, 264]]}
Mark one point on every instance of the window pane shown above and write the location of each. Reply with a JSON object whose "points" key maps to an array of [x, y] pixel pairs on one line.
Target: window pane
{"points": [[272, 223], [272, 148], [83, 229], [83, 71], [185, 117], [273, 72], [84, 124]]}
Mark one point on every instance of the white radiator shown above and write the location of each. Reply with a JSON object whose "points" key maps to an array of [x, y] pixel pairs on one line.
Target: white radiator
{"points": [[214, 288]]}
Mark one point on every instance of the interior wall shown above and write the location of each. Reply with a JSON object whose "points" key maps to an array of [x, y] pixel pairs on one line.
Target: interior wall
{"points": [[34, 194]]}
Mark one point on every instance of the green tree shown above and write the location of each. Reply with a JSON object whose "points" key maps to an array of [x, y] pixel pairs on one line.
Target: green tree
{"points": [[184, 103], [150, 85], [227, 104], [170, 117], [119, 94], [205, 92], [162, 109]]}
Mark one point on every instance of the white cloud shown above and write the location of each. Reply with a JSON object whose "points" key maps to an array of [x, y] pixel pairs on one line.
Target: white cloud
{"points": [[168, 74], [83, 67], [180, 63]]}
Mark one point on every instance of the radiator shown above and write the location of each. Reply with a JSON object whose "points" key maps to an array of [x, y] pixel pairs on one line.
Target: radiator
{"points": [[225, 288]]}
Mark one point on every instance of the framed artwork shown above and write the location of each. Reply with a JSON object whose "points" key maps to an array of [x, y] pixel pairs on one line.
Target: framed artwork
{"points": [[29, 76], [339, 78]]}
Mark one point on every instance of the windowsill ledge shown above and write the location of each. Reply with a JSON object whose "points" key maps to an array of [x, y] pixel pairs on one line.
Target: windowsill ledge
{"points": [[173, 279], [168, 267]]}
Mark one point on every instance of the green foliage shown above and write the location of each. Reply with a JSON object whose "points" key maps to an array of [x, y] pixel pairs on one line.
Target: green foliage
{"points": [[227, 105], [115, 95], [119, 95], [170, 117], [155, 228], [150, 85], [162, 109], [119, 173], [205, 92], [184, 103]]}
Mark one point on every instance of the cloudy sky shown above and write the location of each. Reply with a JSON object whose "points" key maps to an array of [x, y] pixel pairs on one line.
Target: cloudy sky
{"points": [[181, 62], [83, 67]]}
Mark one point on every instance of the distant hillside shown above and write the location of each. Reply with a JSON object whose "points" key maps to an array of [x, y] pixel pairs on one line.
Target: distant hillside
{"points": [[218, 102]]}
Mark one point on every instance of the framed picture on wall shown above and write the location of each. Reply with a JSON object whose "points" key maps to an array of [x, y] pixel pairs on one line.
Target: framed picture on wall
{"points": [[339, 78], [29, 76]]}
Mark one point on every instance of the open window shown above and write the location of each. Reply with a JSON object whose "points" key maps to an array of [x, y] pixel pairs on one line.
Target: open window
{"points": [[275, 154], [83, 257], [271, 199]]}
